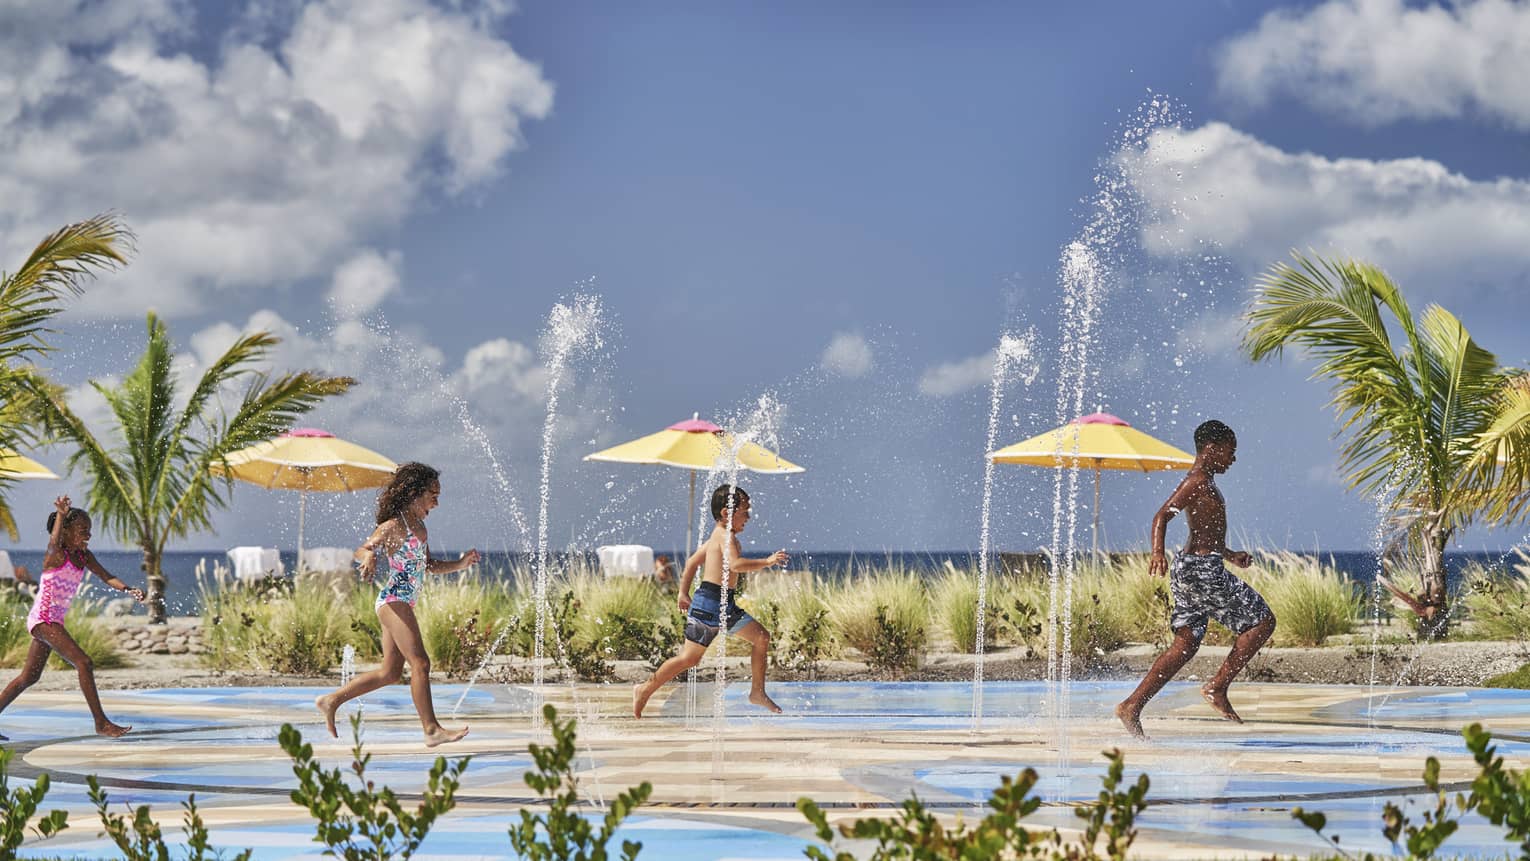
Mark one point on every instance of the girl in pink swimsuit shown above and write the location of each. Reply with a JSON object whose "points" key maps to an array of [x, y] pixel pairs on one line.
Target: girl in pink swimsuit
{"points": [[394, 557], [64, 567]]}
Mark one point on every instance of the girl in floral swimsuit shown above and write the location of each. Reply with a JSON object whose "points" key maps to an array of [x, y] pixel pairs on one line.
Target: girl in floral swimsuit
{"points": [[394, 557], [64, 567]]}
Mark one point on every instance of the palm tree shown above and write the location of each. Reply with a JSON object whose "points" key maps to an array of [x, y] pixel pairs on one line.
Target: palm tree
{"points": [[152, 483], [29, 297], [1502, 462], [1413, 414]]}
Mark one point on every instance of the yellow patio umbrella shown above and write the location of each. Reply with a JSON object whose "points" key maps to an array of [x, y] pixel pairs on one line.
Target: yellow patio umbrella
{"points": [[1098, 441], [695, 445], [13, 465], [305, 459]]}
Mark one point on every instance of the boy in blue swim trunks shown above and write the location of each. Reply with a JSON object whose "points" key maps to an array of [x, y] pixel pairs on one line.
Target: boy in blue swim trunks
{"points": [[1200, 584], [712, 608]]}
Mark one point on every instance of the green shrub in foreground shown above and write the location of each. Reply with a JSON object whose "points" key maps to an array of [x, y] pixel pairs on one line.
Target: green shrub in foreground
{"points": [[363, 822], [142, 839], [561, 834], [917, 833], [19, 805]]}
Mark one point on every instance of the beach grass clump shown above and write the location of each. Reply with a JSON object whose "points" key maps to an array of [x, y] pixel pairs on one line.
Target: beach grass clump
{"points": [[954, 605], [460, 618], [1311, 601], [884, 615], [1518, 679], [1112, 605], [801, 635], [624, 618], [1499, 603], [14, 638], [83, 623], [298, 625]]}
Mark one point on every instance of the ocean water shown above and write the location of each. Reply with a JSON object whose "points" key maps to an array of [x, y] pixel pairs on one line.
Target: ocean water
{"points": [[184, 598]]}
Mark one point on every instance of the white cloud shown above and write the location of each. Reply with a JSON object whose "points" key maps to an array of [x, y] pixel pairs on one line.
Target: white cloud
{"points": [[848, 355], [364, 281], [951, 378], [1380, 60], [1212, 334], [275, 162], [1218, 190]]}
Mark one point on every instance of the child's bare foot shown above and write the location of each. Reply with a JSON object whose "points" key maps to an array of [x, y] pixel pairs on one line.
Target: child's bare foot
{"points": [[640, 696], [1218, 701], [1131, 718], [442, 735], [327, 706], [111, 730], [763, 700]]}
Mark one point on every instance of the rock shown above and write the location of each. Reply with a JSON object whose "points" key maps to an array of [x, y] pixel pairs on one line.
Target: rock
{"points": [[118, 607]]}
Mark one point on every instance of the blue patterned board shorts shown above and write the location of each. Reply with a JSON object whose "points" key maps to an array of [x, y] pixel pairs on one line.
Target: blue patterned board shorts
{"points": [[704, 621], [1203, 589]]}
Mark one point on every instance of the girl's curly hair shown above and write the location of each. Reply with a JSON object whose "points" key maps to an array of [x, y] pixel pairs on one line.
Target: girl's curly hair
{"points": [[410, 482], [73, 515]]}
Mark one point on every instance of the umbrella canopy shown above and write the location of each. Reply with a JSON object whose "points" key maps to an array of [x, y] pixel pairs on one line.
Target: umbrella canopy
{"points": [[1097, 441], [14, 465], [695, 445], [307, 459]]}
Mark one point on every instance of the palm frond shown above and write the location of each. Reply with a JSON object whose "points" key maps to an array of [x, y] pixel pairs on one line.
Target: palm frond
{"points": [[268, 407], [8, 521], [1500, 463], [56, 269], [111, 496]]}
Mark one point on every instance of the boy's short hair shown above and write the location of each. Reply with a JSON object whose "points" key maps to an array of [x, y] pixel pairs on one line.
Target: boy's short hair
{"points": [[720, 499], [1213, 431]]}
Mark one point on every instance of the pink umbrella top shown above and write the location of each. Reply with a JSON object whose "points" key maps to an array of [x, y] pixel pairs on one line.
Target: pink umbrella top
{"points": [[695, 425], [309, 432], [1099, 419]]}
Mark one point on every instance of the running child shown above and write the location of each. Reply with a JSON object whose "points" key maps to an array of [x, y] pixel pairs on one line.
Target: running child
{"points": [[64, 565], [1201, 586], [712, 606], [395, 557]]}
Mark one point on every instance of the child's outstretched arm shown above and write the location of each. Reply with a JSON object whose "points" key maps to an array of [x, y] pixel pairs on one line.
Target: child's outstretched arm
{"points": [[94, 566], [54, 556], [1189, 486], [442, 566], [692, 565], [744, 565], [371, 552]]}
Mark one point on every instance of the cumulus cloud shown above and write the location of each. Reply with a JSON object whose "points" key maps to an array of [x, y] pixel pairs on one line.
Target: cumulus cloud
{"points": [[952, 378], [1217, 189], [848, 355], [1380, 60], [364, 281], [275, 161]]}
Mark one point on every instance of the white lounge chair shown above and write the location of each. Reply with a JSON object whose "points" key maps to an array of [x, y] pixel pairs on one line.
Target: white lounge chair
{"points": [[325, 559], [625, 560], [253, 563]]}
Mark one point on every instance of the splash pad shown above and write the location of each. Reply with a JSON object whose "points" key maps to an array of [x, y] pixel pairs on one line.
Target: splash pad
{"points": [[857, 748]]}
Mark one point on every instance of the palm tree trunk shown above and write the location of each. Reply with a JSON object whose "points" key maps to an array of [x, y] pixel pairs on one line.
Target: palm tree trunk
{"points": [[1435, 618], [156, 584]]}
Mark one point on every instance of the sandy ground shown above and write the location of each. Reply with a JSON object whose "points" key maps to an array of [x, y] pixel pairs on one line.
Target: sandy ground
{"points": [[1452, 663]]}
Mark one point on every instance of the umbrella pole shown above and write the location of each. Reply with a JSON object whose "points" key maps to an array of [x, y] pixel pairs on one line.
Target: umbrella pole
{"points": [[1097, 509], [689, 513], [302, 510]]}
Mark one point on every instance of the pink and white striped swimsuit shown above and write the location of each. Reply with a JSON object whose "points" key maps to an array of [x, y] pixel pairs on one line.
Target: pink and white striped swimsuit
{"points": [[55, 592]]}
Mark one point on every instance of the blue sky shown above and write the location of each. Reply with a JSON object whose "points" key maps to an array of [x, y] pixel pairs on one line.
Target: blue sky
{"points": [[404, 190]]}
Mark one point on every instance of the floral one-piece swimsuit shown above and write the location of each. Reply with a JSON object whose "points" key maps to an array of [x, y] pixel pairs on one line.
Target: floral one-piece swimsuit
{"points": [[405, 565]]}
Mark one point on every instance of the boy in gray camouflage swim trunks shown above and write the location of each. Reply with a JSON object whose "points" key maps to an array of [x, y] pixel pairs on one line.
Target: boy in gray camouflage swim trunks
{"points": [[1200, 584]]}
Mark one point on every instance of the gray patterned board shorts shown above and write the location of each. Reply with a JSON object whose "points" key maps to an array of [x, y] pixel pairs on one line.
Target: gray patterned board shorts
{"points": [[1203, 588]]}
